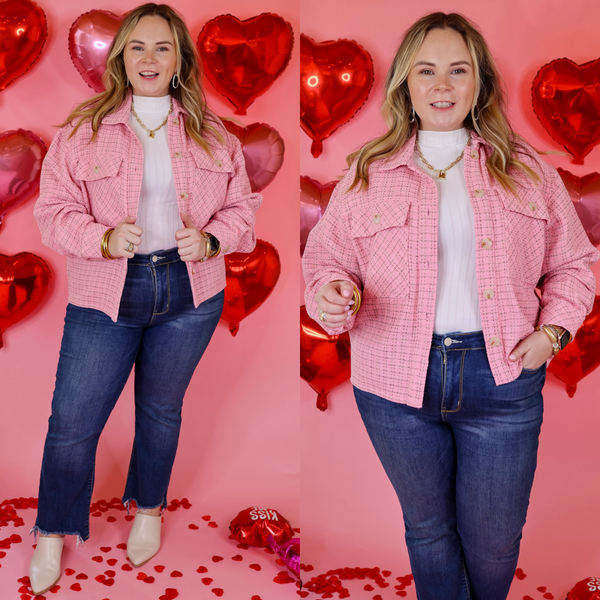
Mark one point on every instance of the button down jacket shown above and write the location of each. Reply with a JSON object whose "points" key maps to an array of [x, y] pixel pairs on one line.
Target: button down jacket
{"points": [[86, 188], [384, 240]]}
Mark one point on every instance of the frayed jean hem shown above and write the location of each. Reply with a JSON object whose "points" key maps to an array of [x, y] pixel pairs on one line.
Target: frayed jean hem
{"points": [[127, 504], [37, 531]]}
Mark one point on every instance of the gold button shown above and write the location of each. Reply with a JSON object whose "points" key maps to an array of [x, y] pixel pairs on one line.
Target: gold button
{"points": [[376, 219], [532, 206], [475, 154], [489, 294], [494, 341], [447, 342], [184, 196], [479, 193], [96, 169], [219, 163], [177, 154], [193, 271], [486, 243], [175, 121], [154, 258]]}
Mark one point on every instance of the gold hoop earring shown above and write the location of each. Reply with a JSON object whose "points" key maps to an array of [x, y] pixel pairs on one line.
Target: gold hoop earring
{"points": [[412, 116], [173, 81]]}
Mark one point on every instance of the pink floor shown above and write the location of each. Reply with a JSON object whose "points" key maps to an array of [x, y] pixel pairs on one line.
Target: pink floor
{"points": [[99, 570]]}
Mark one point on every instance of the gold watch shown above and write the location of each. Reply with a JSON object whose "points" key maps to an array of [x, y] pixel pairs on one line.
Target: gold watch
{"points": [[559, 336]]}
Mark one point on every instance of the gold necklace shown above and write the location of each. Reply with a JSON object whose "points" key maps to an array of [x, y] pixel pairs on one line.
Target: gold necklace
{"points": [[441, 172], [151, 132]]}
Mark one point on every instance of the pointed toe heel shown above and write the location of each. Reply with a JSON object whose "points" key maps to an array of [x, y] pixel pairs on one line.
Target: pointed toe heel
{"points": [[144, 539], [44, 568]]}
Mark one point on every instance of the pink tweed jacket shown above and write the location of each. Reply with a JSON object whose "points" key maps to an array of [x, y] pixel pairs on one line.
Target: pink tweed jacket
{"points": [[87, 188], [384, 240]]}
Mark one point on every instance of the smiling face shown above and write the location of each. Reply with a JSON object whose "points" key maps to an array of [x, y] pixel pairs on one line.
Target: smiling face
{"points": [[442, 81], [150, 57]]}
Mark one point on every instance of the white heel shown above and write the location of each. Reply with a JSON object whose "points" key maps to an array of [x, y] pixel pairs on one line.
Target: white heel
{"points": [[144, 539], [44, 568]]}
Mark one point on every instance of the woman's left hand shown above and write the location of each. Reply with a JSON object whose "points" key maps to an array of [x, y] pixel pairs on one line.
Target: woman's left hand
{"points": [[535, 349], [190, 241]]}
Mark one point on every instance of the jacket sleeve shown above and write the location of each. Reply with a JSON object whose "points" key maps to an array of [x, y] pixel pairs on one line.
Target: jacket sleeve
{"points": [[62, 210], [233, 223], [329, 254], [569, 285]]}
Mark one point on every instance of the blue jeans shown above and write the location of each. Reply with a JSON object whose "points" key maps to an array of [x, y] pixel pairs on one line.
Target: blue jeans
{"points": [[160, 332], [462, 467]]}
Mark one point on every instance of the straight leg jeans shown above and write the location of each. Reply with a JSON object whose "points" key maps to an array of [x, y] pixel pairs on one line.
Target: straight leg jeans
{"points": [[462, 467], [160, 333]]}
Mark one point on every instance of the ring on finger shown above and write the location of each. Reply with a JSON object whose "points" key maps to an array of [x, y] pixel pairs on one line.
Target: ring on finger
{"points": [[130, 247], [322, 315]]}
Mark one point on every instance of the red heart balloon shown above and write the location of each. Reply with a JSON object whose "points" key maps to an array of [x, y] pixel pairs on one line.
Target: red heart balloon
{"points": [[254, 525], [21, 156], [587, 589], [582, 355], [324, 358], [263, 151], [90, 38], [566, 100], [335, 80], [314, 198], [585, 193], [23, 31], [24, 280], [242, 59], [250, 280]]}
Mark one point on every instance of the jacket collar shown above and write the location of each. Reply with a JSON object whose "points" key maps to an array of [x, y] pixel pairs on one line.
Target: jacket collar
{"points": [[404, 157], [121, 114]]}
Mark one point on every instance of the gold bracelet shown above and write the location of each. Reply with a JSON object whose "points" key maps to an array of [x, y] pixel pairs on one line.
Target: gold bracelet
{"points": [[357, 301], [104, 245], [550, 333]]}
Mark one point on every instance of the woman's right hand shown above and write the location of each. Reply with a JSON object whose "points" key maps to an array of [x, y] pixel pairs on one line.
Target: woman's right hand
{"points": [[334, 301], [125, 232]]}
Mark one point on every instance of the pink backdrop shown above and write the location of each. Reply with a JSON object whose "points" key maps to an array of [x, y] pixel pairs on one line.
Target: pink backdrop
{"points": [[351, 516], [239, 442]]}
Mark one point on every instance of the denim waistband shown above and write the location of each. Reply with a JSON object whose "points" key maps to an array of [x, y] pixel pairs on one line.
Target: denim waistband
{"points": [[469, 340], [157, 258]]}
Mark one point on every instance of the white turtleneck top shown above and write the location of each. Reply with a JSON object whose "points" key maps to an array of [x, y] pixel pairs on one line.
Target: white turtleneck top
{"points": [[158, 213], [457, 298]]}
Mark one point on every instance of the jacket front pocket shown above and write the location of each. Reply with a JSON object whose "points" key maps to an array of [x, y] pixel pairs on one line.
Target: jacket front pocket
{"points": [[381, 237], [211, 177]]}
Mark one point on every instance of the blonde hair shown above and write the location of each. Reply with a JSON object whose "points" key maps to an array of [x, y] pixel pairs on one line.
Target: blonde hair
{"points": [[189, 73], [491, 122]]}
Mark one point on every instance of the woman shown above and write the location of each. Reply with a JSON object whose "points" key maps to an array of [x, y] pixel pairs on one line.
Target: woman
{"points": [[145, 192], [439, 233]]}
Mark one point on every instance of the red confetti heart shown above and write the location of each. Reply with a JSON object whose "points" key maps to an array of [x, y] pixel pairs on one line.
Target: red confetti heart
{"points": [[169, 594], [255, 597], [55, 589], [212, 524], [527, 598], [105, 548], [542, 589], [128, 518], [206, 518], [176, 574], [255, 566], [237, 557], [23, 589], [192, 526], [369, 588], [100, 578], [207, 580], [243, 546], [217, 592], [549, 596], [81, 576], [111, 519], [217, 558], [519, 574], [69, 571], [109, 573], [186, 503], [404, 594], [308, 568], [126, 567], [149, 579], [159, 568], [97, 559], [202, 570], [141, 575], [76, 587], [122, 546], [112, 562], [96, 514]]}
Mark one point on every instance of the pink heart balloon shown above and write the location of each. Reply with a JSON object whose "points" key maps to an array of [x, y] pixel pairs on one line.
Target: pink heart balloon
{"points": [[585, 193], [90, 38], [314, 198], [263, 150], [21, 156]]}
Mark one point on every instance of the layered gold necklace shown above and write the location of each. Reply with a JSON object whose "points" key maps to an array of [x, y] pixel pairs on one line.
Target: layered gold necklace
{"points": [[151, 132], [441, 173]]}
